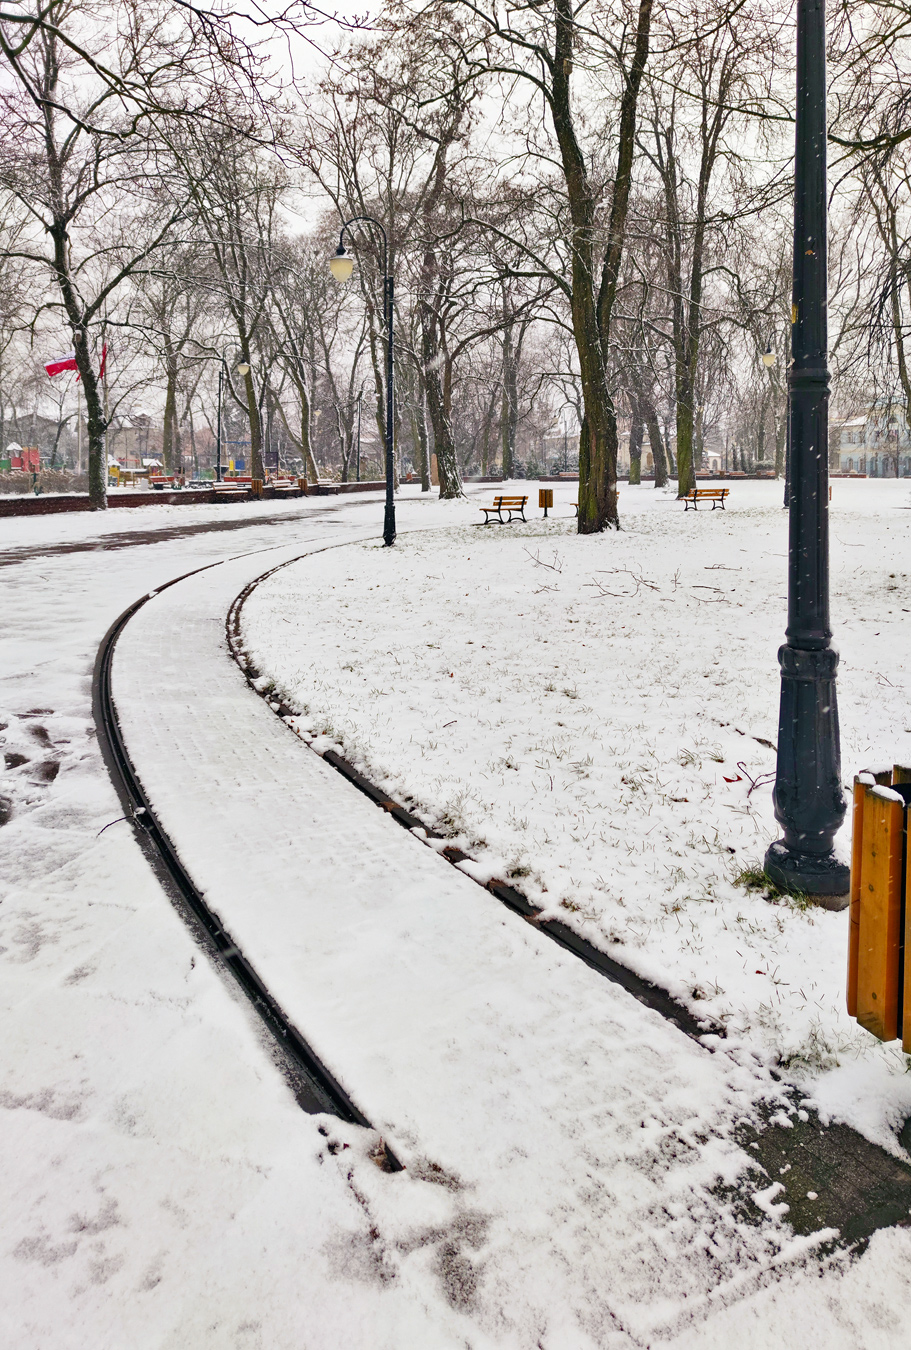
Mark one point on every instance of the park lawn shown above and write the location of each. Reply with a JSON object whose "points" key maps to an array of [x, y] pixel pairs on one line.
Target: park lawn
{"points": [[595, 718]]}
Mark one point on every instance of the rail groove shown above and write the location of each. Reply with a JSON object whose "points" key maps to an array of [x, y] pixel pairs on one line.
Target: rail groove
{"points": [[314, 1086], [833, 1177], [650, 995]]}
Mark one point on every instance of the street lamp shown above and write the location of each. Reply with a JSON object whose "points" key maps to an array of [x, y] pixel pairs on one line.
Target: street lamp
{"points": [[769, 357], [242, 368], [360, 399], [341, 265], [808, 797]]}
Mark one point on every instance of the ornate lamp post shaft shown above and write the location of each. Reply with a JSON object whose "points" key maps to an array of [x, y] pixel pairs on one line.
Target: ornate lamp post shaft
{"points": [[809, 803]]}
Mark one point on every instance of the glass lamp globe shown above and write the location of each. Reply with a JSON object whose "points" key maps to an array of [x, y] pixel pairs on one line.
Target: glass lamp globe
{"points": [[243, 368], [768, 357], [341, 264]]}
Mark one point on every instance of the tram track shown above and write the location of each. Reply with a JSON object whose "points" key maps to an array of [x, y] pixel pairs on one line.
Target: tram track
{"points": [[315, 1088], [649, 995], [835, 1178]]}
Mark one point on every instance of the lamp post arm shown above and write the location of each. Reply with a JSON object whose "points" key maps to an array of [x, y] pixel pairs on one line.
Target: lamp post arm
{"points": [[370, 220]]}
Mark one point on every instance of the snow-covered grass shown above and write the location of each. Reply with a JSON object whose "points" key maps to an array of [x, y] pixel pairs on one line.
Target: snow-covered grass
{"points": [[595, 718]]}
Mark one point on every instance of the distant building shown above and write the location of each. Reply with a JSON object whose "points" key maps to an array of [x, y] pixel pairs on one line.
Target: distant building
{"points": [[876, 443]]}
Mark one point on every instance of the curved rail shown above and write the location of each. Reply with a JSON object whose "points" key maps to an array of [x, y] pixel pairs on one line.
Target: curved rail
{"points": [[650, 995], [843, 1180], [314, 1087]]}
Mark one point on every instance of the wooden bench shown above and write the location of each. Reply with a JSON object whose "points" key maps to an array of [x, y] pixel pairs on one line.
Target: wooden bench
{"points": [[285, 485], [512, 505], [321, 488], [714, 495], [160, 481], [233, 487]]}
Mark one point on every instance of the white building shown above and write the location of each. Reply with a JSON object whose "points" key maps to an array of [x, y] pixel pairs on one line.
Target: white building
{"points": [[877, 443]]}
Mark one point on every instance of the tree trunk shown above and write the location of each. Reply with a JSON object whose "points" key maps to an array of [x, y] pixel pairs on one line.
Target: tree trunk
{"points": [[447, 456], [635, 450], [509, 411], [592, 317], [302, 443], [311, 472], [95, 424], [256, 434], [598, 439], [170, 411], [435, 386], [419, 433], [656, 444]]}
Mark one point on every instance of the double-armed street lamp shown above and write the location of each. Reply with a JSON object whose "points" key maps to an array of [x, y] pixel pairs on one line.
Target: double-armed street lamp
{"points": [[341, 266], [808, 797]]}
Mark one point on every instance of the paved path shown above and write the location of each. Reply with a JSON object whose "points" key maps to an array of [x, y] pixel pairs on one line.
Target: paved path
{"points": [[255, 517], [577, 1136]]}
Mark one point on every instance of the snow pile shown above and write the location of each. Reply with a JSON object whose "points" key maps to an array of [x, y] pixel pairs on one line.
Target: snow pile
{"points": [[595, 718]]}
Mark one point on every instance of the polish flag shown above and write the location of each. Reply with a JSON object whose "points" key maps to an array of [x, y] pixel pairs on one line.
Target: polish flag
{"points": [[61, 364], [104, 361]]}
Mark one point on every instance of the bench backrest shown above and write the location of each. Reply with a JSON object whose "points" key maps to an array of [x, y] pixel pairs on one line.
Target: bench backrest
{"points": [[509, 501]]}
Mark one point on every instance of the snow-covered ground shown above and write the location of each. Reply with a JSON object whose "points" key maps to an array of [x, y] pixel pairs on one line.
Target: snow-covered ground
{"points": [[161, 1190], [595, 719]]}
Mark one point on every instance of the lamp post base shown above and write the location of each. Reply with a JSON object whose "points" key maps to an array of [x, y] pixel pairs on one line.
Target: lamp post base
{"points": [[819, 875]]}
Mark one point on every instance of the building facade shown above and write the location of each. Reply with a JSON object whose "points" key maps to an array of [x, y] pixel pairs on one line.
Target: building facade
{"points": [[877, 443]]}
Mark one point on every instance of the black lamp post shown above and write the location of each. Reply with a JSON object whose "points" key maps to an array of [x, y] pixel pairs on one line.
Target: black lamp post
{"points": [[360, 399], [809, 803], [221, 375], [242, 369], [341, 265]]}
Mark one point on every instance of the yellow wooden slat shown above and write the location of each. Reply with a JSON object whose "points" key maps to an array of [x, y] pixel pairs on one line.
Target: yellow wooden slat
{"points": [[880, 914], [906, 1009], [854, 925], [901, 773]]}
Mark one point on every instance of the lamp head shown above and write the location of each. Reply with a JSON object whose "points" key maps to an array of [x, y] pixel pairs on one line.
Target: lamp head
{"points": [[769, 357], [341, 264], [243, 368]]}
